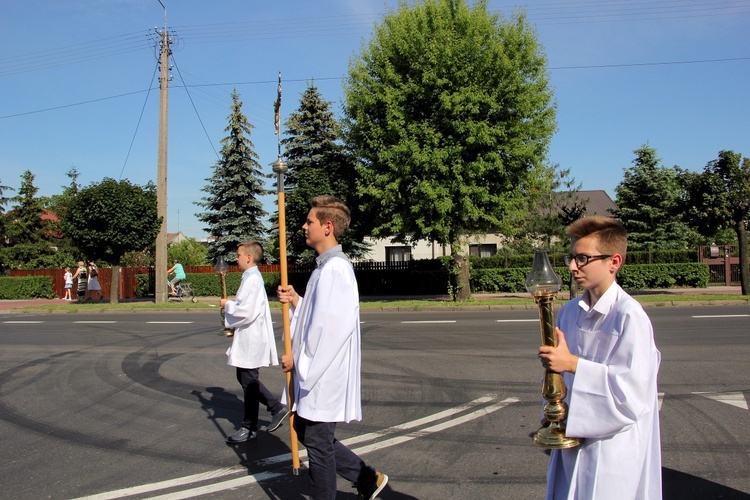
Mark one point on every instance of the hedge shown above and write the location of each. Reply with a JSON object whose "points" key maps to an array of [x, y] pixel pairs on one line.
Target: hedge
{"points": [[26, 287], [208, 285], [630, 277], [508, 260]]}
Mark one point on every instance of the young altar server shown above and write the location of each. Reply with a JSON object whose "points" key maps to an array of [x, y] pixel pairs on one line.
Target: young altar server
{"points": [[253, 343], [609, 362], [326, 356]]}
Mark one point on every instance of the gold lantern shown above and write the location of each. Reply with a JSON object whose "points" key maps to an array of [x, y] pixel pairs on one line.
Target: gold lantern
{"points": [[543, 284]]}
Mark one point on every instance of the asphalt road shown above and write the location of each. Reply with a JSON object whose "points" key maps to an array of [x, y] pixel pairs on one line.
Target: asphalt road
{"points": [[137, 405]]}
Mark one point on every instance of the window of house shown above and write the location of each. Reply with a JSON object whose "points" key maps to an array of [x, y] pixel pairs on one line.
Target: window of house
{"points": [[483, 250], [397, 254]]}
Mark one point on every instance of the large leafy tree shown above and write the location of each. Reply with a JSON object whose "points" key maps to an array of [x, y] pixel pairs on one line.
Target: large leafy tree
{"points": [[233, 210], [648, 198], [108, 219], [317, 165], [719, 198], [450, 112], [189, 252]]}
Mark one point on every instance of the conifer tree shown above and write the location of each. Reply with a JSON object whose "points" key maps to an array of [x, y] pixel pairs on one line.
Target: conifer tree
{"points": [[649, 202], [233, 210], [318, 164], [28, 236]]}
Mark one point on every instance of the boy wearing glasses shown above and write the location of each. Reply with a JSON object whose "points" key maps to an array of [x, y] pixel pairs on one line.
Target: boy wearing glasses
{"points": [[609, 362]]}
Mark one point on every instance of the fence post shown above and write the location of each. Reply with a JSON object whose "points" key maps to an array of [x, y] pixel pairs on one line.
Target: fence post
{"points": [[727, 266]]}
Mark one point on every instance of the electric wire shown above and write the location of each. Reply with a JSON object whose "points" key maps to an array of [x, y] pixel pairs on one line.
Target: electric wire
{"points": [[138, 125], [195, 109], [586, 11]]}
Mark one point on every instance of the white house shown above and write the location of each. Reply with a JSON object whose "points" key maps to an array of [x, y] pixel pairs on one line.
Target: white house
{"points": [[597, 202]]}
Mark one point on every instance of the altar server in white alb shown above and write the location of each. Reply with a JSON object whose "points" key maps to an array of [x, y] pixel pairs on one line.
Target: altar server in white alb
{"points": [[325, 358], [253, 344], [609, 361]]}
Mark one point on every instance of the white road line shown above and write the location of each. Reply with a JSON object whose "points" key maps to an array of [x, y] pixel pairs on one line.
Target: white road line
{"points": [[517, 320], [95, 322], [163, 485], [23, 322], [426, 322], [731, 398], [169, 322], [723, 316], [211, 488], [287, 457], [378, 445]]}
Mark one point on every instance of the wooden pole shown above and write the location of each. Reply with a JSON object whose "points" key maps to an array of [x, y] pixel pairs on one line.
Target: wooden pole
{"points": [[279, 167]]}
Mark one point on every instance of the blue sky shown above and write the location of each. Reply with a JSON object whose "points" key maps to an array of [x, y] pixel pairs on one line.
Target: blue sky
{"points": [[74, 80]]}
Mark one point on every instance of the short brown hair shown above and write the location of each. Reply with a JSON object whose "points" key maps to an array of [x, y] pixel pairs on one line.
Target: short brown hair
{"points": [[330, 208], [252, 248], [610, 233]]}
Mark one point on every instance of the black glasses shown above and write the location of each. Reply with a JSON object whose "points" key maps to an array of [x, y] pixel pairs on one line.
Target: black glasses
{"points": [[582, 259]]}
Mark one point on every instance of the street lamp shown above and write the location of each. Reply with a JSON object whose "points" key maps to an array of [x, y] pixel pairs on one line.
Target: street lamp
{"points": [[543, 284]]}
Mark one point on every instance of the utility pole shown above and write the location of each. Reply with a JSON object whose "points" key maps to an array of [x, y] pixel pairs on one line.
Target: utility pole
{"points": [[161, 169]]}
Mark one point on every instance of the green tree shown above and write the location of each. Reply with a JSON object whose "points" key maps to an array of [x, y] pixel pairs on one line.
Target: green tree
{"points": [[450, 113], [549, 214], [648, 198], [317, 165], [58, 204], [719, 198], [189, 252], [233, 210], [30, 237], [106, 220], [4, 200]]}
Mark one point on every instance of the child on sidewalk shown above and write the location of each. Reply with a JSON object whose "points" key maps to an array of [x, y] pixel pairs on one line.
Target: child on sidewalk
{"points": [[253, 343], [609, 362], [68, 284]]}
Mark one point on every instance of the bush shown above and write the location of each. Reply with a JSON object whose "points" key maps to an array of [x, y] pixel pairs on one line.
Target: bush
{"points": [[508, 280], [26, 287], [662, 257], [643, 277], [630, 277]]}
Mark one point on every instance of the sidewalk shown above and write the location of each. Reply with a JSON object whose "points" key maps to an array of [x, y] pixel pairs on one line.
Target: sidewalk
{"points": [[17, 305]]}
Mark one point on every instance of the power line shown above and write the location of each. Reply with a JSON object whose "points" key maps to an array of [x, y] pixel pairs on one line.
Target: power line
{"points": [[81, 103], [299, 80], [138, 125], [194, 108], [666, 63]]}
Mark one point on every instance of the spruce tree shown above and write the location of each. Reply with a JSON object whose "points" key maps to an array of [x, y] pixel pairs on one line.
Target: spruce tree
{"points": [[233, 210], [318, 165], [649, 204], [28, 241]]}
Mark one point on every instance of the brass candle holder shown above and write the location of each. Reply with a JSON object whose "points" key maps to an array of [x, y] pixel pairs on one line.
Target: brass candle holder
{"points": [[221, 268], [543, 284]]}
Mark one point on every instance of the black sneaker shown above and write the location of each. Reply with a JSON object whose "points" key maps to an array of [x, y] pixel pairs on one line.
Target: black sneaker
{"points": [[241, 436], [277, 419], [371, 491]]}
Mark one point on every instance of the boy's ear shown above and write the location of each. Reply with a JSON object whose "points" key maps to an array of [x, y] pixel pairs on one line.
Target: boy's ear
{"points": [[617, 262]]}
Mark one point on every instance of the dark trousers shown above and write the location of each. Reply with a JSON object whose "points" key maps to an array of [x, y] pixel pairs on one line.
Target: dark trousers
{"points": [[328, 457], [255, 393]]}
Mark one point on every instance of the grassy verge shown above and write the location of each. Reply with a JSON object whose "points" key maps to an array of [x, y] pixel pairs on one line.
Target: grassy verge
{"points": [[513, 302]]}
